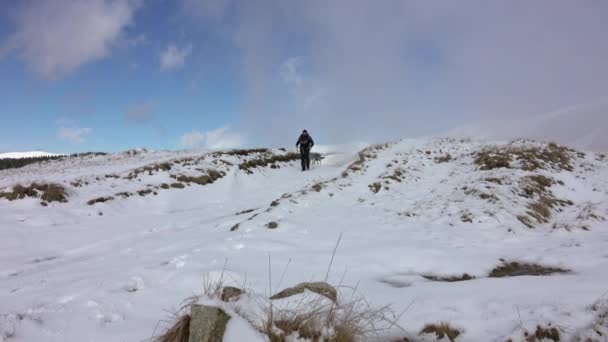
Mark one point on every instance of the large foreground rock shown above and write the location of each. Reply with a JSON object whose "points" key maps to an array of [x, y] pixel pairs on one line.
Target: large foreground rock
{"points": [[207, 323], [322, 288]]}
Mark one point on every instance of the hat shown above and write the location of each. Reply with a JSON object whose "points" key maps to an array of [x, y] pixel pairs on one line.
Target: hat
{"points": [[305, 131]]}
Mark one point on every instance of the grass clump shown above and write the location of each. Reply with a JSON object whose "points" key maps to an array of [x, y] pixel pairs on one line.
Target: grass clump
{"points": [[537, 187], [515, 269], [265, 161], [272, 225], [375, 187], [441, 330], [529, 158], [543, 334], [47, 192], [443, 159], [317, 187], [208, 178], [178, 185], [100, 200]]}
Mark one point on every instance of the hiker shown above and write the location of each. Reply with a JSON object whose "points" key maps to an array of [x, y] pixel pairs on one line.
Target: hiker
{"points": [[305, 143]]}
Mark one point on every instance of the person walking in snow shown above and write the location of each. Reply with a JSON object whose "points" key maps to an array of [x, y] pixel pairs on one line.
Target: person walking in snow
{"points": [[305, 143]]}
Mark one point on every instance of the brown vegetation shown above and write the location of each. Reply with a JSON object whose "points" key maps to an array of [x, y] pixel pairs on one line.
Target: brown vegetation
{"points": [[265, 161], [543, 334], [449, 279], [441, 330], [550, 156], [100, 200], [47, 192], [514, 269]]}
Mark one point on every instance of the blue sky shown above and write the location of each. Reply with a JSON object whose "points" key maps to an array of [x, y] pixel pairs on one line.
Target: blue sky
{"points": [[109, 75]]}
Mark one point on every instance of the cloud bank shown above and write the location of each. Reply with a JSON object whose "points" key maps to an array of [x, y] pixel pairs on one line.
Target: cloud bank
{"points": [[57, 37], [376, 70], [73, 134], [221, 138]]}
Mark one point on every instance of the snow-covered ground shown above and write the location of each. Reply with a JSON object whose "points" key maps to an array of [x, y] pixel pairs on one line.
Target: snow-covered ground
{"points": [[110, 271]]}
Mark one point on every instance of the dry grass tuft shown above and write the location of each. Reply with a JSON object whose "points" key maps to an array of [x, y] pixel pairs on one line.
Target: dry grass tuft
{"points": [[514, 269], [543, 334], [441, 330], [272, 225], [550, 156], [208, 178], [318, 321], [179, 330], [317, 187], [47, 192], [100, 200], [443, 159], [178, 185], [265, 161], [375, 187], [449, 279], [541, 209]]}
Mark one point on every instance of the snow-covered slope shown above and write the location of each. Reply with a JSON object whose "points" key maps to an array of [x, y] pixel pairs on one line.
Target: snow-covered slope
{"points": [[411, 213], [30, 154]]}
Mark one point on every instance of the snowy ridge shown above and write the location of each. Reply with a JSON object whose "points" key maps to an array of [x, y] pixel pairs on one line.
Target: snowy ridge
{"points": [[31, 154], [409, 215]]}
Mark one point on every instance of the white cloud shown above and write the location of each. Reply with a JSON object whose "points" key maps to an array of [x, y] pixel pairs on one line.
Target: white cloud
{"points": [[173, 57], [57, 37], [289, 71], [220, 138], [73, 134], [140, 113]]}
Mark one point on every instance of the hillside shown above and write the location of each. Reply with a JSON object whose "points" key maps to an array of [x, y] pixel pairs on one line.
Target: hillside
{"points": [[494, 238]]}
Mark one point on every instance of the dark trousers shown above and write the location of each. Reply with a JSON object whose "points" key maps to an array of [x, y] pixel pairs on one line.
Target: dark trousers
{"points": [[305, 158]]}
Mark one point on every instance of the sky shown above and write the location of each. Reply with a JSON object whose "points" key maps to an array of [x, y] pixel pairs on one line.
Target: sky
{"points": [[110, 75]]}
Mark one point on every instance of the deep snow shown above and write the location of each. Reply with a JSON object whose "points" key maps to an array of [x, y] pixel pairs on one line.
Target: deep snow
{"points": [[110, 271]]}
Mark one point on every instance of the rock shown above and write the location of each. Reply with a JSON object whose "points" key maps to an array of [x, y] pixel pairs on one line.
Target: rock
{"points": [[322, 288], [272, 225], [229, 293], [207, 323]]}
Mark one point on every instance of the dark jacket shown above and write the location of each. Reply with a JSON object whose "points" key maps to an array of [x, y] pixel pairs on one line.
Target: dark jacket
{"points": [[305, 142]]}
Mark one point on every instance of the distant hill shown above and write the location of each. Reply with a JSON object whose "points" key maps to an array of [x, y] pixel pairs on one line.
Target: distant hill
{"points": [[29, 154]]}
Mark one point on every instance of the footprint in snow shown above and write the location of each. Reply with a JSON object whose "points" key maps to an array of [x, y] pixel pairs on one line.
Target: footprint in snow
{"points": [[134, 284], [179, 261]]}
